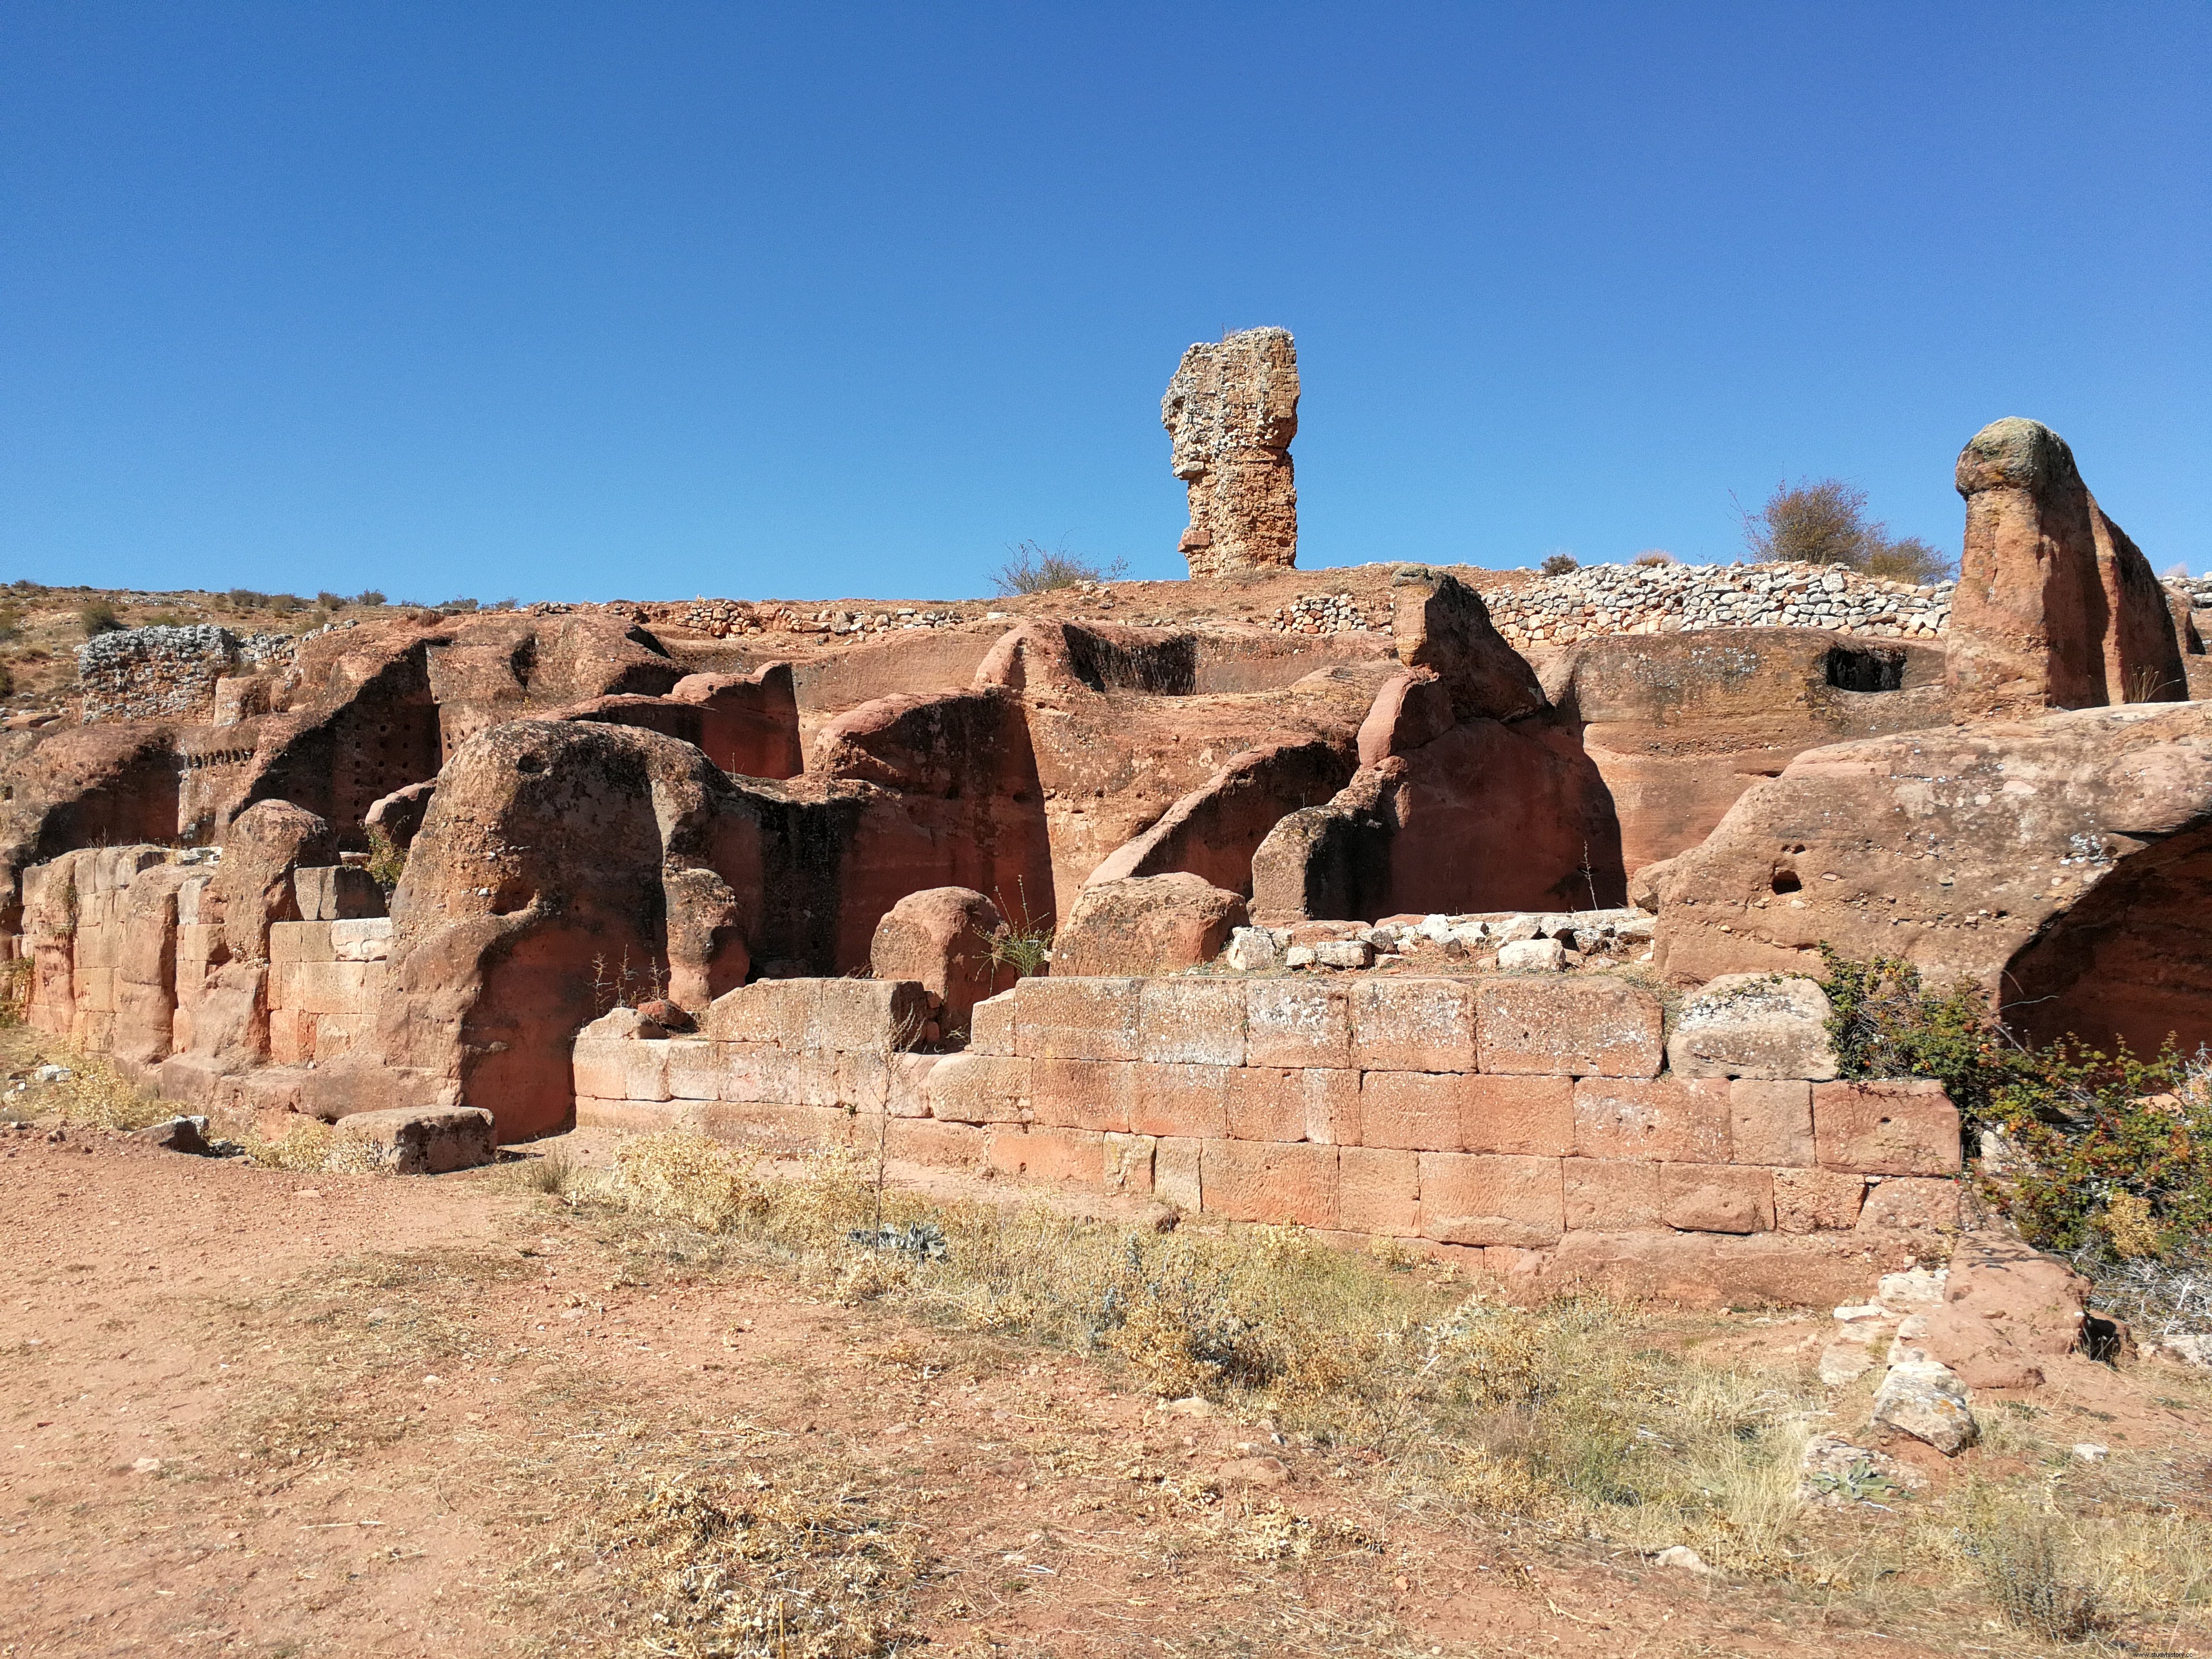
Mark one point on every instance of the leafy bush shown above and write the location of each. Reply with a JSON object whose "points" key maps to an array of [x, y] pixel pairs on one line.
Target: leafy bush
{"points": [[1824, 521], [368, 596], [1035, 568], [2104, 1152], [329, 601], [1557, 564], [98, 617]]}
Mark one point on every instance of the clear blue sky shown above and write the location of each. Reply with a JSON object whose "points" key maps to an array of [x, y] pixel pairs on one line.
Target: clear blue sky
{"points": [[576, 302]]}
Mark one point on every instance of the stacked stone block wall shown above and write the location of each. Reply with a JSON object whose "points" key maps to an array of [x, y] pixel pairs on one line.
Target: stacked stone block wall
{"points": [[1505, 1114], [325, 979]]}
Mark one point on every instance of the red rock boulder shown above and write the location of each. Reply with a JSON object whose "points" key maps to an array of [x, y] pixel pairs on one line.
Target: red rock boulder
{"points": [[1146, 925]]}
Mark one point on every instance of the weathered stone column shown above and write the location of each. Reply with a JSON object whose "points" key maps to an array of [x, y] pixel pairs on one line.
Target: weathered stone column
{"points": [[1232, 412], [2056, 607]]}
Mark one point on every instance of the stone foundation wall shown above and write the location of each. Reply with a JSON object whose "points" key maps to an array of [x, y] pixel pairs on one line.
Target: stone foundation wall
{"points": [[1529, 1120], [325, 978]]}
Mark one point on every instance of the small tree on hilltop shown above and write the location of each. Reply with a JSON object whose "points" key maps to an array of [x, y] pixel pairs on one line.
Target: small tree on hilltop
{"points": [[1824, 521]]}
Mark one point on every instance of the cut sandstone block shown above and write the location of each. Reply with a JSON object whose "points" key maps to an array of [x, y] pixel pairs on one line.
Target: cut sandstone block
{"points": [[1296, 1023], [771, 1010], [991, 1026], [1890, 1128], [1659, 1119], [1046, 1154], [412, 1141], [1817, 1201], [1175, 1172], [1611, 1195], [867, 1016], [1331, 1098], [1129, 1163], [980, 1088], [1378, 1191], [1474, 1199], [1181, 1100], [1194, 1022], [1082, 1094], [1593, 1027], [1455, 1112], [1753, 1025], [1247, 1181], [1716, 1198], [1771, 1122], [925, 1140], [1078, 1018], [1266, 1102], [1412, 1026], [1920, 1204]]}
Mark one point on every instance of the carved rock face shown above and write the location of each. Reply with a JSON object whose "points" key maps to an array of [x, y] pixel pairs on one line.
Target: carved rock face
{"points": [[1232, 410]]}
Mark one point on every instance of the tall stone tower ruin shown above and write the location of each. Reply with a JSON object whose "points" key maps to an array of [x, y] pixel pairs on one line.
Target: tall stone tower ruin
{"points": [[1232, 412]]}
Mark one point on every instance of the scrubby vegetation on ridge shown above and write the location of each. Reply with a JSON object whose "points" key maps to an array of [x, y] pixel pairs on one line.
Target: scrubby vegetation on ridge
{"points": [[2104, 1157]]}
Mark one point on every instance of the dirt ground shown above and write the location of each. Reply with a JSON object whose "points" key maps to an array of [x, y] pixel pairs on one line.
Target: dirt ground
{"points": [[243, 1411]]}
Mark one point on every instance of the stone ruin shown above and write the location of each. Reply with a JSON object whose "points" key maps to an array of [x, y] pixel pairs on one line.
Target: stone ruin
{"points": [[1369, 928], [1232, 410]]}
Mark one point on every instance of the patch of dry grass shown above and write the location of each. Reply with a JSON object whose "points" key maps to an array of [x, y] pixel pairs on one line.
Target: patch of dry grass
{"points": [[1577, 1418], [97, 1094]]}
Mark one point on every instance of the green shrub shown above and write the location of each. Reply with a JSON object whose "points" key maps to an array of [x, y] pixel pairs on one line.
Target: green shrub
{"points": [[1558, 564], [98, 617], [2108, 1153]]}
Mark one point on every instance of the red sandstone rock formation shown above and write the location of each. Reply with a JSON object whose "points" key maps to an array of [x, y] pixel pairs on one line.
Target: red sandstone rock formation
{"points": [[1231, 412], [940, 938], [1212, 832], [1680, 724], [2056, 607], [1472, 792], [752, 720], [2062, 863], [1147, 925]]}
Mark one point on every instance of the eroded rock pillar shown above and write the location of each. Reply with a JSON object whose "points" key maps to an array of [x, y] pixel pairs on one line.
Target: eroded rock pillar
{"points": [[1232, 410]]}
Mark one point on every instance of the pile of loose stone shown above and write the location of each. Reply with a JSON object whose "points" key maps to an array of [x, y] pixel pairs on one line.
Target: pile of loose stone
{"points": [[1527, 941], [1667, 599], [142, 673], [1328, 613]]}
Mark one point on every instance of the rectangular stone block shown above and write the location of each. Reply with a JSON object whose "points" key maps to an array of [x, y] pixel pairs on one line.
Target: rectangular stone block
{"points": [[1611, 1195], [1082, 1094], [1191, 1101], [864, 1081], [1077, 1018], [1378, 1190], [599, 1067], [364, 938], [1548, 1025], [1417, 1111], [1332, 1105], [299, 941], [291, 1037], [1529, 1116], [1412, 1026], [759, 1071], [1259, 1181], [909, 1092], [1129, 1163], [1817, 1201], [991, 1026], [335, 1034], [980, 1088], [1296, 1023], [695, 1070], [1191, 1021], [336, 892], [1716, 1198], [773, 1011], [1889, 1128], [1473, 1198], [1039, 1153], [1771, 1122], [1660, 1120], [1266, 1104], [334, 987], [1176, 1173], [867, 1016], [942, 1145], [1919, 1203]]}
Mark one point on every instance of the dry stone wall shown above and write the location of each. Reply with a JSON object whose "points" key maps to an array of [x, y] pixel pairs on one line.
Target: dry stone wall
{"points": [[144, 673], [1528, 1119]]}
